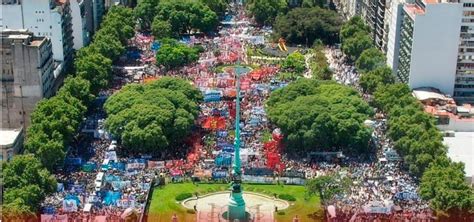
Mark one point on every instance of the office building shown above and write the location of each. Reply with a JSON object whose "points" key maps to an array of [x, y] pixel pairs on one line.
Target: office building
{"points": [[82, 23], [48, 18], [464, 82], [27, 75], [428, 45], [98, 9]]}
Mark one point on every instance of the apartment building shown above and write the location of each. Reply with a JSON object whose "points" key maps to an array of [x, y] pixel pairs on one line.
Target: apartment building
{"points": [[373, 12], [81, 22], [464, 82], [428, 44], [48, 18], [27, 75]]}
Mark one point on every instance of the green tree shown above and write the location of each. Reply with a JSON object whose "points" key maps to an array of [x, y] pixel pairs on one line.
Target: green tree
{"points": [[369, 60], [294, 62], [26, 182], [173, 54], [265, 11], [443, 184], [95, 68], [318, 116], [398, 94], [77, 87], [352, 27], [144, 12], [107, 45], [371, 80], [355, 45], [218, 6], [305, 25], [186, 16], [161, 29], [319, 65], [149, 118], [313, 3]]}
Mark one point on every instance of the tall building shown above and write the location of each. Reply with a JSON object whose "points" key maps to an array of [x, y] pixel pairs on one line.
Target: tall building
{"points": [[373, 12], [81, 22], [48, 18], [464, 83], [27, 75], [348, 8], [428, 44], [98, 9]]}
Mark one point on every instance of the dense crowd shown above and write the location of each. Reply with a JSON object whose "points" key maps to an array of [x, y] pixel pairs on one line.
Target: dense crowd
{"points": [[379, 189]]}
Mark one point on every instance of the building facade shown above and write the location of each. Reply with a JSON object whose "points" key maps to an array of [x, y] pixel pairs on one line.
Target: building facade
{"points": [[428, 46], [48, 18], [80, 19], [27, 75], [11, 143], [98, 10], [464, 83]]}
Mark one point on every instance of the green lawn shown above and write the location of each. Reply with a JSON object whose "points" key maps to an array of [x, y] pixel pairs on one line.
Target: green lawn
{"points": [[163, 203]]}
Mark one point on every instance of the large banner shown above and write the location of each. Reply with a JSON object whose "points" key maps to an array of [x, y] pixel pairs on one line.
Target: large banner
{"points": [[156, 164], [69, 205]]}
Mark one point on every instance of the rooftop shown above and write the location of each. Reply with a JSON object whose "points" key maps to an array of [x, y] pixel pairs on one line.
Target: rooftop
{"points": [[8, 136], [460, 149], [413, 10]]}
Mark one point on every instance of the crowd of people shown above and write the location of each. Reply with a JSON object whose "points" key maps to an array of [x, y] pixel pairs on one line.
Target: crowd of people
{"points": [[101, 181], [380, 190]]}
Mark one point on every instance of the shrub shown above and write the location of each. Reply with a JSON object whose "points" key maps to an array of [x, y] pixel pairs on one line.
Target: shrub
{"points": [[183, 196], [281, 213], [287, 197]]}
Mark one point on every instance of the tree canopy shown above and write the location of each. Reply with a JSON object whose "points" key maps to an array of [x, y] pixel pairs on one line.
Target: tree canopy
{"points": [[173, 54], [294, 62], [161, 29], [305, 25], [353, 26], [443, 184], [95, 68], [218, 6], [355, 45], [26, 182], [144, 12], [320, 115], [265, 11], [186, 16], [371, 80], [149, 118], [369, 60], [319, 65]]}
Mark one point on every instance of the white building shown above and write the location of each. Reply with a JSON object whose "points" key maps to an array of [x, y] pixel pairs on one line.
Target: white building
{"points": [[425, 54], [464, 86], [48, 18], [11, 143], [81, 28]]}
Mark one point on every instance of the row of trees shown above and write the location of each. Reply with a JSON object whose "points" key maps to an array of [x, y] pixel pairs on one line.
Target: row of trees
{"points": [[413, 131], [178, 17], [149, 118], [55, 121], [369, 61], [320, 116], [417, 139], [319, 64], [355, 37]]}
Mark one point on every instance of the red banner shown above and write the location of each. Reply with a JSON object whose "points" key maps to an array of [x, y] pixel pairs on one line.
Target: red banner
{"points": [[214, 123]]}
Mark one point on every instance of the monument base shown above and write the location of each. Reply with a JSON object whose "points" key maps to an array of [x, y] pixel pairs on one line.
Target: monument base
{"points": [[237, 207]]}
